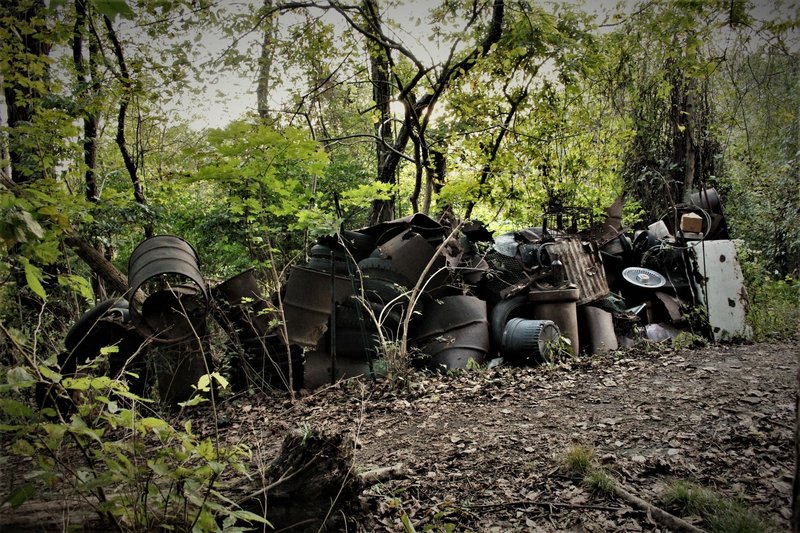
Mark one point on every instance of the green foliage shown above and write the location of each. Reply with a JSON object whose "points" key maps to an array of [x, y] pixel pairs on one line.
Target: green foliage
{"points": [[761, 94], [720, 513], [565, 142], [268, 177], [146, 473], [773, 301]]}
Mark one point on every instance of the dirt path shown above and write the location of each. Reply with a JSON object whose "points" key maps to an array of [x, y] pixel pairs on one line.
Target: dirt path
{"points": [[485, 447]]}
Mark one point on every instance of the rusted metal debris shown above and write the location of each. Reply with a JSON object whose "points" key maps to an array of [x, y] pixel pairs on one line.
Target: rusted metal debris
{"points": [[466, 300]]}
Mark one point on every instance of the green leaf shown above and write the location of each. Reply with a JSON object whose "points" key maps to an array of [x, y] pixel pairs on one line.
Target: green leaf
{"points": [[50, 374], [107, 350], [250, 517], [31, 225], [19, 495], [101, 382], [23, 448], [220, 379], [204, 383], [407, 525], [78, 427], [132, 396], [197, 400], [15, 408], [19, 377], [206, 450], [160, 468], [112, 8], [151, 422], [78, 284], [34, 278], [82, 383]]}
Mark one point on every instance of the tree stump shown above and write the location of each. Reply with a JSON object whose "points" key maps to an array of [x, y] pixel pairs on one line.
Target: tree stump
{"points": [[312, 484]]}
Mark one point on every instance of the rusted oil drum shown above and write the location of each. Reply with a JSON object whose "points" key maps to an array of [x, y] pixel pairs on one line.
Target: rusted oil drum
{"points": [[528, 342], [165, 269], [310, 295], [242, 305], [559, 306], [455, 331]]}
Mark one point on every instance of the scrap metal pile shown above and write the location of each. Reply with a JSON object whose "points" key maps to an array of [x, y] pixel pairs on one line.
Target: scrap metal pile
{"points": [[449, 297]]}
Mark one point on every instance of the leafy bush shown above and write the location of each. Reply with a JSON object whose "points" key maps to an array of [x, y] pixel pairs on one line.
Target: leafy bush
{"points": [[774, 302], [133, 467]]}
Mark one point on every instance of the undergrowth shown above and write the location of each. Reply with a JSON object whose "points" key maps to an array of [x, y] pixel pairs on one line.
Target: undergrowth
{"points": [[98, 442], [774, 301]]}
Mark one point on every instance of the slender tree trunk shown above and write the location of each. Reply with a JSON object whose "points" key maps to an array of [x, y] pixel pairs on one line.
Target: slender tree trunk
{"points": [[434, 181], [690, 144], [486, 171], [127, 84], [425, 104], [5, 170], [265, 64], [85, 94]]}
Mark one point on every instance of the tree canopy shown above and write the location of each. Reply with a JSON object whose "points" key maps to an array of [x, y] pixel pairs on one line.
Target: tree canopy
{"points": [[367, 111]]}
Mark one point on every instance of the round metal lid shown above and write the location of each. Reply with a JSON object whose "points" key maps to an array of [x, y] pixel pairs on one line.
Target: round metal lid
{"points": [[644, 277]]}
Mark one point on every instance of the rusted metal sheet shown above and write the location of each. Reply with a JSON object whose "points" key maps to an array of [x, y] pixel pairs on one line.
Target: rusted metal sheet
{"points": [[583, 267]]}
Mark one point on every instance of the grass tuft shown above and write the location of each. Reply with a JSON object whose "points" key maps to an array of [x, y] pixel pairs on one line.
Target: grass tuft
{"points": [[599, 481], [578, 459], [723, 515]]}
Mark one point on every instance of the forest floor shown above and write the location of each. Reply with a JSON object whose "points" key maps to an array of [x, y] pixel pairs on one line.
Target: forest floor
{"points": [[484, 449]]}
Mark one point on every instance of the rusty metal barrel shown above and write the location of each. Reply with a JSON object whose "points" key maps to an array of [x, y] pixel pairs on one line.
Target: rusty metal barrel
{"points": [[455, 331], [165, 270], [310, 296], [529, 342]]}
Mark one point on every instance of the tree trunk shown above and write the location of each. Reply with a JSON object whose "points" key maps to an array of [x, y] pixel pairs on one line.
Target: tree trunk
{"points": [[86, 90], [382, 210], [23, 91], [312, 484], [690, 145], [265, 64], [486, 171], [116, 280], [127, 84], [434, 181]]}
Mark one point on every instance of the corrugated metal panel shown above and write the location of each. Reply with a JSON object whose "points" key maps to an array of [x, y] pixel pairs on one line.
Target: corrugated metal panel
{"points": [[583, 268]]}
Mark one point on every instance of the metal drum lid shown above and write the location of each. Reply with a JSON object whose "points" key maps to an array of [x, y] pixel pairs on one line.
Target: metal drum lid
{"points": [[644, 277]]}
